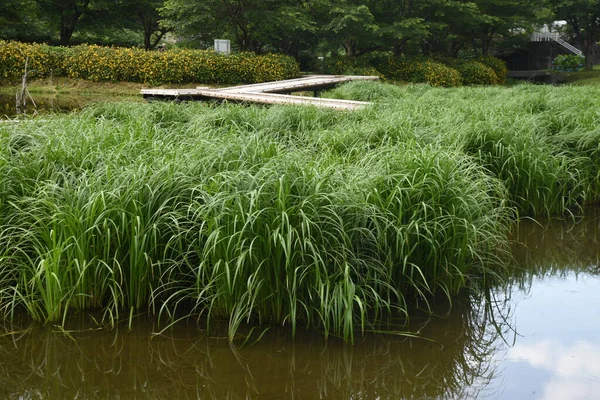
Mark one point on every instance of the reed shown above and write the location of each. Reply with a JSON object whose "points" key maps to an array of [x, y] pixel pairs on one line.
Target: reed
{"points": [[282, 215]]}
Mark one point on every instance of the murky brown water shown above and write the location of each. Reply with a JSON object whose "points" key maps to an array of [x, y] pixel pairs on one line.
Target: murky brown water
{"points": [[538, 338], [45, 103]]}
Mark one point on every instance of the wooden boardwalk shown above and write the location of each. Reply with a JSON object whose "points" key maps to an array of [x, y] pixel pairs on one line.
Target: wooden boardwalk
{"points": [[278, 92]]}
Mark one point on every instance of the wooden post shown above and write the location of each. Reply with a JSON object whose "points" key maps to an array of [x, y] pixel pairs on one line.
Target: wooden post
{"points": [[23, 93]]}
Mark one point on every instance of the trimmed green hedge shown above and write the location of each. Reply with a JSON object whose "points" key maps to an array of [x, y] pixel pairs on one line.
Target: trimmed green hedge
{"points": [[442, 72], [437, 74], [497, 65], [350, 66], [99, 64], [473, 72], [103, 64], [419, 70]]}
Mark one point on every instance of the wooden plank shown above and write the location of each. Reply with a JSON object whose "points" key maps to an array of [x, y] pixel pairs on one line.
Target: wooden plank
{"points": [[266, 92], [302, 84], [270, 98], [255, 85], [171, 92]]}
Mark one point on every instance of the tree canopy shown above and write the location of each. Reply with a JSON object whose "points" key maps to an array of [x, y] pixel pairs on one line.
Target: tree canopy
{"points": [[354, 27], [302, 27], [583, 19]]}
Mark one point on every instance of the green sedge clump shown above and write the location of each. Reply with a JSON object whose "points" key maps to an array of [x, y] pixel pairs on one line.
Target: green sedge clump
{"points": [[284, 215]]}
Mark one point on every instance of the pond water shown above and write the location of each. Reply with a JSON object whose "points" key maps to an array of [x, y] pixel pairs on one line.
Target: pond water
{"points": [[537, 337], [45, 103]]}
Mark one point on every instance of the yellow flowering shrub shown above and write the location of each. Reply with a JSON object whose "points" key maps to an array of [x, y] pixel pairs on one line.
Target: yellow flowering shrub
{"points": [[475, 73], [498, 65], [177, 66], [43, 61], [419, 70], [437, 74], [101, 64], [400, 69]]}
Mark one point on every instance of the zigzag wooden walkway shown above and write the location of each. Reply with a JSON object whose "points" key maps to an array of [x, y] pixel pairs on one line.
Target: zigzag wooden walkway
{"points": [[270, 92]]}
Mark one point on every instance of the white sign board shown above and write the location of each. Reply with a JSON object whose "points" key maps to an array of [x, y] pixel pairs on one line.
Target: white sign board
{"points": [[222, 46]]}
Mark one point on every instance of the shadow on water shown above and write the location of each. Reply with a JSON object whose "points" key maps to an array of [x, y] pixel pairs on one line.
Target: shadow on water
{"points": [[454, 357]]}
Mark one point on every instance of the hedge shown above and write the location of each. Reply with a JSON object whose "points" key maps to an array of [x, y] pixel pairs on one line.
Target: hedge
{"points": [[443, 72], [473, 72], [103, 64], [437, 74], [419, 70], [497, 65], [568, 63], [349, 66], [43, 59]]}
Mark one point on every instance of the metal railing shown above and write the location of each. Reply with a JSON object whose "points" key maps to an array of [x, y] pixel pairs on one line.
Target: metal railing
{"points": [[555, 37]]}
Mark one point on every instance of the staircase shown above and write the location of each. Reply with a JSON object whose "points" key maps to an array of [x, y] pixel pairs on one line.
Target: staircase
{"points": [[554, 37]]}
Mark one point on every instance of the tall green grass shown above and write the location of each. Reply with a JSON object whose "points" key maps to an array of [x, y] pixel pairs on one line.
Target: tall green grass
{"points": [[541, 141], [282, 215]]}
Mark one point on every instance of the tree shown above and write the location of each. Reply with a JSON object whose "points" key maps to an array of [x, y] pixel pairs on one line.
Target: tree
{"points": [[253, 25], [363, 26], [18, 20], [145, 13], [447, 23], [66, 14], [208, 19], [400, 22], [501, 19], [194, 20], [291, 30], [583, 18], [352, 25]]}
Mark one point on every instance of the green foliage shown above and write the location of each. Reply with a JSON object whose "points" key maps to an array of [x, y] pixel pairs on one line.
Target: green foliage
{"points": [[498, 65], [568, 63], [237, 212], [177, 66], [474, 72], [396, 68], [317, 27], [437, 74], [349, 66], [135, 65], [546, 153], [43, 60], [18, 21], [367, 91], [583, 20], [284, 215], [419, 71]]}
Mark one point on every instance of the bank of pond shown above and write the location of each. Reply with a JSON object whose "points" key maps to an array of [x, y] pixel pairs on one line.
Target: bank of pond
{"points": [[339, 222]]}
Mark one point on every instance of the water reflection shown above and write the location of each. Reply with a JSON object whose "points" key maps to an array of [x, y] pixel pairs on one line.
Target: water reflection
{"points": [[574, 369], [52, 103], [470, 351], [557, 246], [554, 289], [188, 363]]}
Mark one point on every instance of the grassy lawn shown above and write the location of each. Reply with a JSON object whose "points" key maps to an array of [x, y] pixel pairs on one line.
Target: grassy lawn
{"points": [[583, 78]]}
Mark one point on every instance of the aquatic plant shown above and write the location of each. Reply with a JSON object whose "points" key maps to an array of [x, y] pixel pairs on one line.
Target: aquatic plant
{"points": [[282, 215]]}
